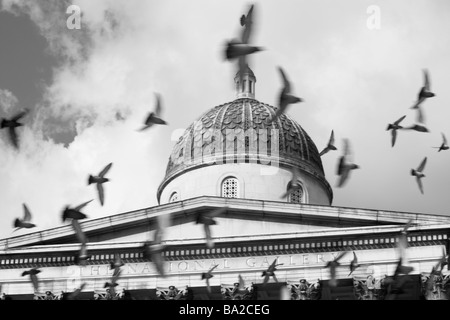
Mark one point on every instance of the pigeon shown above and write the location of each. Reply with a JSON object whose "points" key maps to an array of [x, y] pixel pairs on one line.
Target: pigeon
{"points": [[75, 213], [285, 98], [424, 92], [247, 23], [344, 166], [117, 263], [330, 146], [111, 285], [25, 222], [74, 294], [332, 265], [99, 180], [154, 117], [419, 126], [208, 275], [270, 272], [208, 220], [294, 184], [419, 174], [82, 256], [241, 283], [153, 251], [402, 241], [401, 269], [33, 277], [394, 127], [353, 264], [12, 124], [444, 145]]}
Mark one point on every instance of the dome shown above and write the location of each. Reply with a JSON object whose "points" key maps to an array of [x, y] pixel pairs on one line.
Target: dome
{"points": [[242, 132]]}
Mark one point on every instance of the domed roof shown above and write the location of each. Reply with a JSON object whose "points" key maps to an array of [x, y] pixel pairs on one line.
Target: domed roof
{"points": [[242, 131]]}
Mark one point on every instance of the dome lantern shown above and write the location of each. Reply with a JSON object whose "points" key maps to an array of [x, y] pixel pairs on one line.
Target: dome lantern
{"points": [[246, 88]]}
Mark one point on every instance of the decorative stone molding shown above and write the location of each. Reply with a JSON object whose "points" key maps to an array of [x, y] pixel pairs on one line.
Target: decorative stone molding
{"points": [[438, 288], [233, 292], [173, 293], [370, 288], [304, 290]]}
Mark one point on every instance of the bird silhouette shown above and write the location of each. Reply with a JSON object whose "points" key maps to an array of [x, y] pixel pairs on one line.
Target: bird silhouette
{"points": [[153, 251], [73, 295], [155, 116], [208, 275], [247, 23], [285, 97], [33, 277], [330, 146], [113, 284], [344, 165], [12, 124], [117, 263], [424, 92], [82, 256], [444, 145], [353, 264], [332, 265], [294, 184], [418, 173], [394, 127], [25, 222], [419, 126], [207, 220], [99, 181], [270, 272], [75, 213], [401, 269]]}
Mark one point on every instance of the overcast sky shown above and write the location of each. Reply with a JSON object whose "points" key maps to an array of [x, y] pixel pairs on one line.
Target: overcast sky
{"points": [[90, 89]]}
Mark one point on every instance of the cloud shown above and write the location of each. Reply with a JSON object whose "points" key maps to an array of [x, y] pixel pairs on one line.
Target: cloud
{"points": [[7, 100]]}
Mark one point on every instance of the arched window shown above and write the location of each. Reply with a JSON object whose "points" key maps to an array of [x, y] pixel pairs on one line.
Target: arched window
{"points": [[173, 197], [230, 187], [296, 196]]}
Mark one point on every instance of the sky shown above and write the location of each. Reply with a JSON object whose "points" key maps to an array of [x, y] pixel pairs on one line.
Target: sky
{"points": [[89, 90]]}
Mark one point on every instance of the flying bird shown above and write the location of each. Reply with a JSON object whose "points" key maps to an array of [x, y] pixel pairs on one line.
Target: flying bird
{"points": [[419, 126], [394, 127], [111, 285], [75, 213], [117, 263], [353, 264], [207, 220], [247, 23], [424, 92], [12, 124], [418, 173], [154, 117], [208, 275], [153, 251], [285, 98], [33, 277], [330, 146], [82, 256], [444, 145], [294, 184], [99, 180], [332, 265], [270, 272], [73, 295], [401, 269], [25, 222], [344, 165]]}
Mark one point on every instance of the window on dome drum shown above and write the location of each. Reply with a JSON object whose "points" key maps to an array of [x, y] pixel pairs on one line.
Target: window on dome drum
{"points": [[230, 188], [296, 196], [173, 197]]}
